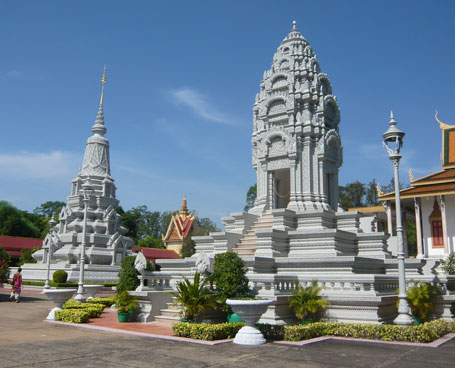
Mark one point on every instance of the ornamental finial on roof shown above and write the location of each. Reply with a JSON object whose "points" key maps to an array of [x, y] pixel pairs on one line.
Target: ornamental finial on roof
{"points": [[99, 127], [411, 175], [294, 26], [184, 210], [392, 119], [378, 190], [441, 124]]}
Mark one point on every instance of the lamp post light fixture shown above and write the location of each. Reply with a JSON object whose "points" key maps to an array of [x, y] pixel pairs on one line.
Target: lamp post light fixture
{"points": [[392, 142], [86, 190], [52, 223]]}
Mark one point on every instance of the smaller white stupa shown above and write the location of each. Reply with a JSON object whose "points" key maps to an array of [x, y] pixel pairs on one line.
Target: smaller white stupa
{"points": [[106, 245]]}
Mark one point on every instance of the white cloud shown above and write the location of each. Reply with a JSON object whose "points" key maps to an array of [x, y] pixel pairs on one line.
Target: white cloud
{"points": [[35, 165], [200, 105]]}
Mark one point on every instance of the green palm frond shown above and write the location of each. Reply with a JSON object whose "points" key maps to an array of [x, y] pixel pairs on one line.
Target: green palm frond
{"points": [[306, 302]]}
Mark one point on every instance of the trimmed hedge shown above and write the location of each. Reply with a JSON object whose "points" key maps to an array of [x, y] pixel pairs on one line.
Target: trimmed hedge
{"points": [[94, 310], [106, 301], [425, 332], [59, 276], [205, 331], [72, 315]]}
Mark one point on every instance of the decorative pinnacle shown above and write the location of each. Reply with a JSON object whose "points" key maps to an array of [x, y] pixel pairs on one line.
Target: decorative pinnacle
{"points": [[103, 82], [392, 119], [294, 25], [184, 210], [99, 127]]}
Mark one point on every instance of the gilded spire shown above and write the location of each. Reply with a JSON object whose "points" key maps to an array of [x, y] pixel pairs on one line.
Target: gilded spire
{"points": [[411, 175], [99, 127], [378, 190], [184, 209]]}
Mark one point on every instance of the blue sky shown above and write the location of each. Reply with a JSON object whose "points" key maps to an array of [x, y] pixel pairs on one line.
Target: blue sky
{"points": [[181, 81]]}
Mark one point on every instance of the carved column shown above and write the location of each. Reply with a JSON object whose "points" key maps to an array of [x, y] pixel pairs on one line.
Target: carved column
{"points": [[389, 218], [420, 250], [442, 204], [405, 235]]}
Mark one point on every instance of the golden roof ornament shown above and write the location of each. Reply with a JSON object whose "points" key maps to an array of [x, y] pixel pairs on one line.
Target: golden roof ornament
{"points": [[103, 82], [441, 124], [184, 209], [378, 189], [411, 176]]}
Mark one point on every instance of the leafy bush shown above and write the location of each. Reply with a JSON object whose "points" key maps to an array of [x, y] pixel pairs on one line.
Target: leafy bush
{"points": [[194, 296], [425, 332], [448, 264], [128, 274], [26, 256], [106, 301], [420, 299], [94, 310], [125, 302], [306, 301], [230, 278], [72, 315], [204, 331], [60, 277], [271, 332], [5, 260]]}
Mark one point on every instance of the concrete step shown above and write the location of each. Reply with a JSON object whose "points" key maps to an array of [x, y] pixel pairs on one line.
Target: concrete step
{"points": [[170, 312], [166, 320]]}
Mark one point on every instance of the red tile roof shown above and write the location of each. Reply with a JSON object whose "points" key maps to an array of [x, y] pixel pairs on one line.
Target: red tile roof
{"points": [[152, 254], [13, 245]]}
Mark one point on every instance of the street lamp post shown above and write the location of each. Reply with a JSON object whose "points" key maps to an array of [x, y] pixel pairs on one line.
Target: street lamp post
{"points": [[49, 252], [393, 141], [86, 189]]}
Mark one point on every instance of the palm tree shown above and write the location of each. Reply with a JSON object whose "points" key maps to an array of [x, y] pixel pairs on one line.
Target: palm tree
{"points": [[193, 296], [306, 301]]}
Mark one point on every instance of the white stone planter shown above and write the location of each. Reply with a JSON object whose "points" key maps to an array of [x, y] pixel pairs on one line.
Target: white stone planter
{"points": [[59, 297], [250, 311], [92, 290]]}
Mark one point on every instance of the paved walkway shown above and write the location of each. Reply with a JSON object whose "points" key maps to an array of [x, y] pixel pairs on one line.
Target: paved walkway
{"points": [[27, 341]]}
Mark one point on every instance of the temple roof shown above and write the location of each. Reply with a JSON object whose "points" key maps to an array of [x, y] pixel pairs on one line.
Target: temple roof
{"points": [[181, 224], [13, 245]]}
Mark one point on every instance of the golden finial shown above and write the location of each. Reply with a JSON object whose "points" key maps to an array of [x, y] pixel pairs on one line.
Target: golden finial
{"points": [[103, 82], [411, 175], [441, 124], [378, 189], [184, 210]]}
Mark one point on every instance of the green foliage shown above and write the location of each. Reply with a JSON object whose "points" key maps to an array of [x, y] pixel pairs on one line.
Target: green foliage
{"points": [[193, 296], [229, 275], [208, 332], [72, 315], [60, 277], [128, 275], [49, 209], [94, 310], [151, 242], [271, 332], [420, 299], [250, 197], [106, 301], [14, 222], [26, 256], [425, 332], [448, 264], [306, 301], [125, 302], [5, 261], [412, 237], [351, 195]]}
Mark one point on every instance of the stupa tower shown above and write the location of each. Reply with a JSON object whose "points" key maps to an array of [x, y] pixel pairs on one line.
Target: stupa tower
{"points": [[106, 245], [296, 143]]}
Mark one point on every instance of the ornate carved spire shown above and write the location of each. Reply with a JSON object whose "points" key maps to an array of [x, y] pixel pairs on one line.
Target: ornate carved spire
{"points": [[411, 175], [99, 127], [184, 209]]}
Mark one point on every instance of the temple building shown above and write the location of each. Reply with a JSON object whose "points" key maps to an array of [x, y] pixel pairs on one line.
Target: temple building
{"points": [[105, 242], [433, 199], [181, 226]]}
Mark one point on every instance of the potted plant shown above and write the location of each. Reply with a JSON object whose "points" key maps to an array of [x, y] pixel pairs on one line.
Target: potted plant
{"points": [[193, 296], [420, 299], [125, 304], [229, 276], [306, 302]]}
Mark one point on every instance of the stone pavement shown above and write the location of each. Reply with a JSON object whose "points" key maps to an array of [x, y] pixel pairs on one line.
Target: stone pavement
{"points": [[27, 341]]}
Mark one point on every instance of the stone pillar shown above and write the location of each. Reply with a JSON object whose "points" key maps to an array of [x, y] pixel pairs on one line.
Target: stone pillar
{"points": [[442, 204], [405, 235], [420, 251], [389, 218]]}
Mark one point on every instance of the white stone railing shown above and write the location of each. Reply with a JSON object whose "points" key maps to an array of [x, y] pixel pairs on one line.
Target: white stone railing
{"points": [[154, 281]]}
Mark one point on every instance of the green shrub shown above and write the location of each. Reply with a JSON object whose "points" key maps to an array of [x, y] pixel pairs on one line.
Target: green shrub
{"points": [[230, 279], [94, 310], [448, 264], [306, 302], [26, 256], [106, 301], [33, 282], [60, 276], [271, 332], [125, 302], [128, 274], [5, 261], [420, 298], [193, 296], [204, 331], [425, 332], [72, 315]]}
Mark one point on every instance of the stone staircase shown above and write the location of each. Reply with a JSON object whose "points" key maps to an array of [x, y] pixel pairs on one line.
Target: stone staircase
{"points": [[247, 245], [169, 315]]}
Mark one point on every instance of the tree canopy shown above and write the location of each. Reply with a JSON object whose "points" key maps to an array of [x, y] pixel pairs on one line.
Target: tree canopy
{"points": [[49, 208]]}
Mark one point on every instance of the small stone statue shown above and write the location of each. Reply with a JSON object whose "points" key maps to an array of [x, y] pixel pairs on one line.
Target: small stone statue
{"points": [[140, 263], [203, 263]]}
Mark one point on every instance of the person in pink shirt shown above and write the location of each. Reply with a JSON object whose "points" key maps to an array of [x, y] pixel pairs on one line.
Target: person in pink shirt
{"points": [[16, 286]]}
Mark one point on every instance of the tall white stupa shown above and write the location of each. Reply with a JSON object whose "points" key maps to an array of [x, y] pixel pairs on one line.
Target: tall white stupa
{"points": [[106, 245]]}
